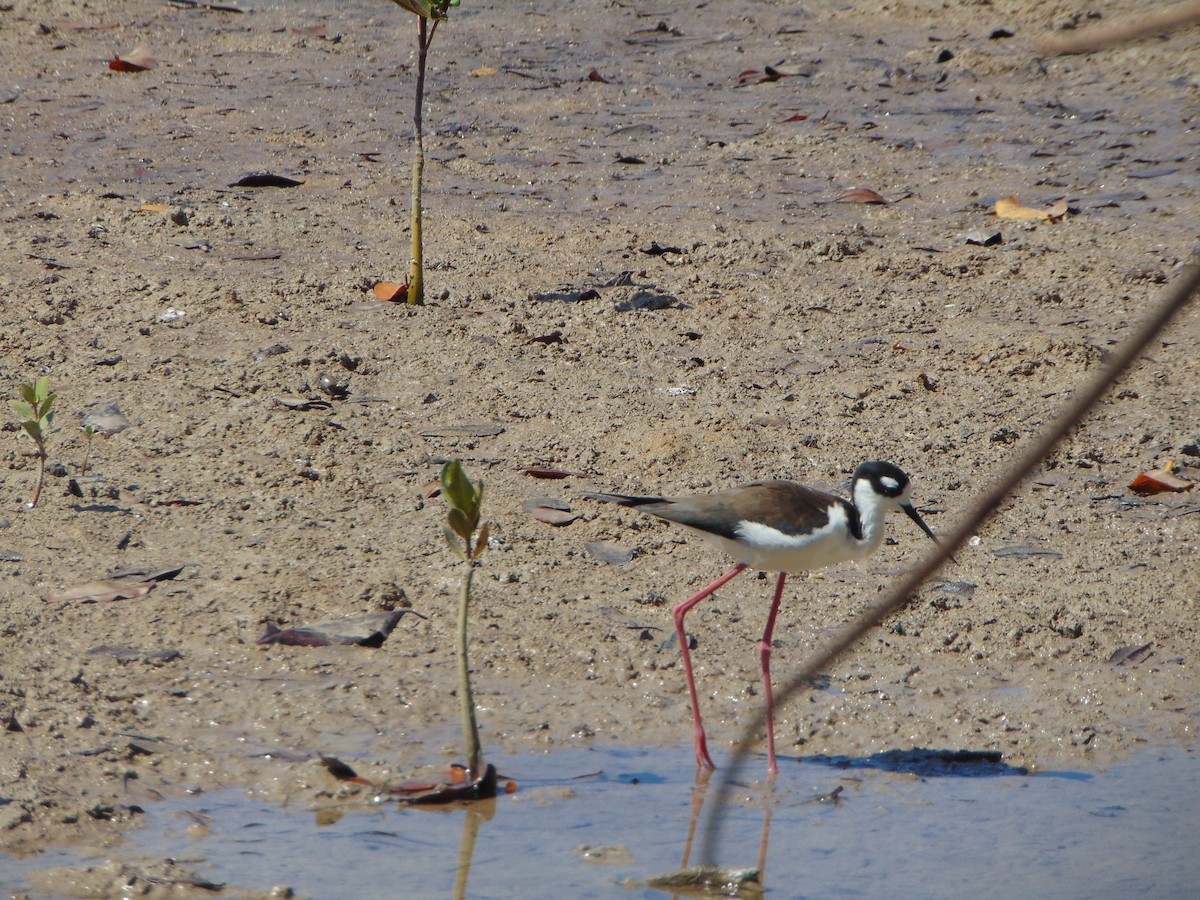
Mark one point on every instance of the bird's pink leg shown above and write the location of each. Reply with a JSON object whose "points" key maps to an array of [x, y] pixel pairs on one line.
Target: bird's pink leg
{"points": [[703, 760], [764, 651]]}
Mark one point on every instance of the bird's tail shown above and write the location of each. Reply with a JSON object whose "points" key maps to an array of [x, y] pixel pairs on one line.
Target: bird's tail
{"points": [[623, 499]]}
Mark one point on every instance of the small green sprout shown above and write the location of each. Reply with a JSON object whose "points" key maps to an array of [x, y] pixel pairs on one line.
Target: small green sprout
{"points": [[462, 524], [35, 409], [89, 432]]}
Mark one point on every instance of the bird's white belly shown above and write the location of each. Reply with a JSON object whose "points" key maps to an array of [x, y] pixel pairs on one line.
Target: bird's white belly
{"points": [[770, 550]]}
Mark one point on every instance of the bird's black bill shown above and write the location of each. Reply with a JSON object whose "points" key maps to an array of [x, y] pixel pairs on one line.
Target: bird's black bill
{"points": [[921, 522]]}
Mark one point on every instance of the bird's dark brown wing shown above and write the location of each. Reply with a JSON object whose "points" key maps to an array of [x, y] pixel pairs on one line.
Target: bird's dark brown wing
{"points": [[787, 507]]}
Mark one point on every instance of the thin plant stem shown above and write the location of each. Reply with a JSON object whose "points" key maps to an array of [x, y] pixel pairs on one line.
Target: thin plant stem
{"points": [[466, 697], [37, 488], [416, 278]]}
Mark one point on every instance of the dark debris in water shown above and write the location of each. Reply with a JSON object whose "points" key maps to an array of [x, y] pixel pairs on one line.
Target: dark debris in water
{"points": [[458, 786], [709, 881], [928, 763]]}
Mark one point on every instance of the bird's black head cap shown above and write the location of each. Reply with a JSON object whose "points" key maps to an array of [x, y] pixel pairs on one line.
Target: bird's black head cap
{"points": [[886, 479]]}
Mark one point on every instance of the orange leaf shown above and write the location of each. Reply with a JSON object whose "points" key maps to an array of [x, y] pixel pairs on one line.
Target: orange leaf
{"points": [[154, 207], [389, 292], [861, 195], [139, 60], [1009, 208], [1159, 481]]}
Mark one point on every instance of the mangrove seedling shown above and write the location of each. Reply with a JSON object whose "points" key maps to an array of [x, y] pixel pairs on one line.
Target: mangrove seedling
{"points": [[429, 14], [467, 540], [89, 432], [34, 408]]}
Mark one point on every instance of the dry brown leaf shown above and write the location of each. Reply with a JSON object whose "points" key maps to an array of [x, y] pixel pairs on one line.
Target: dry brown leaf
{"points": [[556, 517], [103, 591], [861, 195], [545, 472], [484, 71], [389, 292], [1010, 208], [139, 60], [154, 207]]}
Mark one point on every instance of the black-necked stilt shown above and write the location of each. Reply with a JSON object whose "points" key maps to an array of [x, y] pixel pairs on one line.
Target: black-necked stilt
{"points": [[784, 527]]}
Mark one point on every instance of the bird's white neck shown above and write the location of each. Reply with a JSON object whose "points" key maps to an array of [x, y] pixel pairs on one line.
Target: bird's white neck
{"points": [[871, 508]]}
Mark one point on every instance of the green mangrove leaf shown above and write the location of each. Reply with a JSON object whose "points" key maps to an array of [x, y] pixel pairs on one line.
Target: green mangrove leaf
{"points": [[456, 486], [454, 544], [459, 524], [24, 410]]}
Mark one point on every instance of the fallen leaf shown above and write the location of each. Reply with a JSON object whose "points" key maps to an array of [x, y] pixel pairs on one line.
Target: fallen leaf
{"points": [[594, 75], [341, 771], [139, 60], [657, 249], [103, 591], [431, 489], [550, 511], [369, 630], [608, 552], [484, 71], [1027, 550], [1158, 481], [390, 292], [983, 237], [624, 279], [459, 788], [861, 195], [554, 337], [1009, 208], [125, 654], [480, 429], [772, 73], [544, 472], [310, 31], [266, 179], [1131, 653], [154, 207], [303, 405], [798, 117], [456, 786]]}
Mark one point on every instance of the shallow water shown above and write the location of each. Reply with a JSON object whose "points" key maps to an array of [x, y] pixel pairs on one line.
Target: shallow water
{"points": [[903, 825]]}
